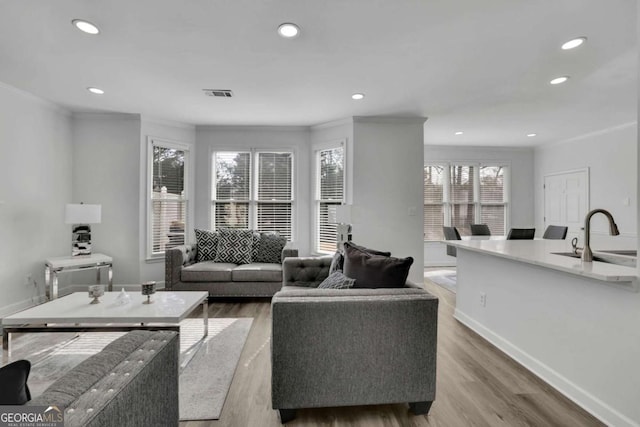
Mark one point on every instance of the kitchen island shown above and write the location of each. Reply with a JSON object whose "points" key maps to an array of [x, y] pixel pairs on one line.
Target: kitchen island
{"points": [[576, 325]]}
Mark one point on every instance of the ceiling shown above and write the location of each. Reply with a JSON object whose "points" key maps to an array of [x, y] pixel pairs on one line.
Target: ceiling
{"points": [[482, 67]]}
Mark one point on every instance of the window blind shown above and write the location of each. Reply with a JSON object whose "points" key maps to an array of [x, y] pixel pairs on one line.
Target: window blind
{"points": [[461, 188], [331, 192], [168, 199], [492, 206], [433, 202], [275, 195]]}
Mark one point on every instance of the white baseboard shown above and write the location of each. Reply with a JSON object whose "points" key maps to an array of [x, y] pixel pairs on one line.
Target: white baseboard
{"points": [[581, 397]]}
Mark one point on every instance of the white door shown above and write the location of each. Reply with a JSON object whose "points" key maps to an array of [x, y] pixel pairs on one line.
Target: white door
{"points": [[566, 199]]}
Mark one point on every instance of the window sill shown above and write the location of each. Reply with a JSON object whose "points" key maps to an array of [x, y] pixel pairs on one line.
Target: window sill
{"points": [[155, 260]]}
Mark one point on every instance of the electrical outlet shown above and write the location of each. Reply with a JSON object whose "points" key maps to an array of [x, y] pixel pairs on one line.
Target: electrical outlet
{"points": [[28, 280], [483, 299]]}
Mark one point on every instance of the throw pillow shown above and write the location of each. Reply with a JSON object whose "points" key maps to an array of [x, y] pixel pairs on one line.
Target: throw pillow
{"points": [[271, 246], [336, 263], [234, 246], [375, 271], [336, 280], [368, 250], [13, 377], [207, 242], [255, 245]]}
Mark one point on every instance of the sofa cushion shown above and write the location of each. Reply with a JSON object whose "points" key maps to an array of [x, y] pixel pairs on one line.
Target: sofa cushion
{"points": [[207, 242], [207, 271], [270, 248], [336, 280], [375, 271], [13, 377], [257, 272], [234, 245]]}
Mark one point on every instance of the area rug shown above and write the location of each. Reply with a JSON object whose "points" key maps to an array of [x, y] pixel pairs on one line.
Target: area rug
{"points": [[206, 366], [443, 278]]}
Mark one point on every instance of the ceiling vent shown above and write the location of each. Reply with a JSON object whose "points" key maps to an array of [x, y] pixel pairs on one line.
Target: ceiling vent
{"points": [[221, 93]]}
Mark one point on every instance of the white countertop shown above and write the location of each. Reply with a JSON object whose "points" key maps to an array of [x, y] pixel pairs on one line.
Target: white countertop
{"points": [[539, 252]]}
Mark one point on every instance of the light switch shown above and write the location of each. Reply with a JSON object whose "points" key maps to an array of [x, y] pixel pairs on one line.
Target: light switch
{"points": [[626, 201]]}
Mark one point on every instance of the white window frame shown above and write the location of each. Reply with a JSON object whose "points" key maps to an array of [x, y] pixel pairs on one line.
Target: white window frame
{"points": [[317, 201], [253, 185], [165, 143], [477, 205]]}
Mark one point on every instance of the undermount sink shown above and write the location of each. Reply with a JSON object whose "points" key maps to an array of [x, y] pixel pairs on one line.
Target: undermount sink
{"points": [[608, 257]]}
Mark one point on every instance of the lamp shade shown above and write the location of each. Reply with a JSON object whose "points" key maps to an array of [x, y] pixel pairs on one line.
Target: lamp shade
{"points": [[343, 214], [82, 214]]}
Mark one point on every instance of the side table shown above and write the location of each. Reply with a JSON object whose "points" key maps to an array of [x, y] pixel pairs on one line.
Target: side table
{"points": [[53, 266]]}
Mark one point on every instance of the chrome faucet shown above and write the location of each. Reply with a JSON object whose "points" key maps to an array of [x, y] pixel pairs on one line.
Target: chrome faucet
{"points": [[587, 255]]}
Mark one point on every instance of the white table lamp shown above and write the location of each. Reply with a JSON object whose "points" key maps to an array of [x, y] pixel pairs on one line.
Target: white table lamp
{"points": [[81, 215], [341, 216]]}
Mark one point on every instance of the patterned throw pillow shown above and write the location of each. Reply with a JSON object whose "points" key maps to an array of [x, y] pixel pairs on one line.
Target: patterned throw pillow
{"points": [[255, 245], [271, 246], [336, 262], [207, 242], [234, 246], [337, 280]]}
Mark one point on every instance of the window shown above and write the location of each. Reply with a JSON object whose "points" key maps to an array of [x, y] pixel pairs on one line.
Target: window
{"points": [[433, 202], [168, 200], [463, 194], [253, 189], [329, 192]]}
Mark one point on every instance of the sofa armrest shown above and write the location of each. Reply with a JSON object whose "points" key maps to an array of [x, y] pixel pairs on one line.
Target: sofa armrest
{"points": [[353, 347], [305, 271], [176, 258], [288, 253]]}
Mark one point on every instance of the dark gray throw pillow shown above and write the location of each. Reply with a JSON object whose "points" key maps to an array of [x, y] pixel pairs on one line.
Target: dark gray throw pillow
{"points": [[13, 377], [336, 280], [270, 248], [234, 246], [368, 250], [207, 243], [375, 271]]}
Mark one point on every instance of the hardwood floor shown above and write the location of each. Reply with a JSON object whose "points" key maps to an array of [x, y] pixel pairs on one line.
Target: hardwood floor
{"points": [[477, 385]]}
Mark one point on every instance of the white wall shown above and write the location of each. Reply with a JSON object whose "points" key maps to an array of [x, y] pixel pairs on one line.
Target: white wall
{"points": [[167, 131], [212, 138], [521, 194], [106, 171], [35, 141], [387, 183], [612, 159]]}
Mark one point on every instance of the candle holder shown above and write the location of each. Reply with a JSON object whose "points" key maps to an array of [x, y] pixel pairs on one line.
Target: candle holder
{"points": [[95, 292], [148, 289]]}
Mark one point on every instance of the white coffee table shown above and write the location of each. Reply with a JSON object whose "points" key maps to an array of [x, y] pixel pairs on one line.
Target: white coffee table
{"points": [[73, 313]]}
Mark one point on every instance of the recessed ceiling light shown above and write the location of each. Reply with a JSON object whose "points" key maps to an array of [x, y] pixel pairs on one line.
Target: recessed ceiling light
{"points": [[459, 132], [85, 26], [95, 90], [573, 43], [531, 134], [357, 96], [288, 30], [559, 80]]}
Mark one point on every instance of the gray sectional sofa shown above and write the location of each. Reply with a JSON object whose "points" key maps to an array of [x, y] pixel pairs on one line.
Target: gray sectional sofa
{"points": [[344, 347], [133, 381], [183, 273]]}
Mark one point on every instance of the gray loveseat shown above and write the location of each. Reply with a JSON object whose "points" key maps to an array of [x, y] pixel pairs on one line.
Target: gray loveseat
{"points": [[133, 381], [183, 273], [344, 347]]}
